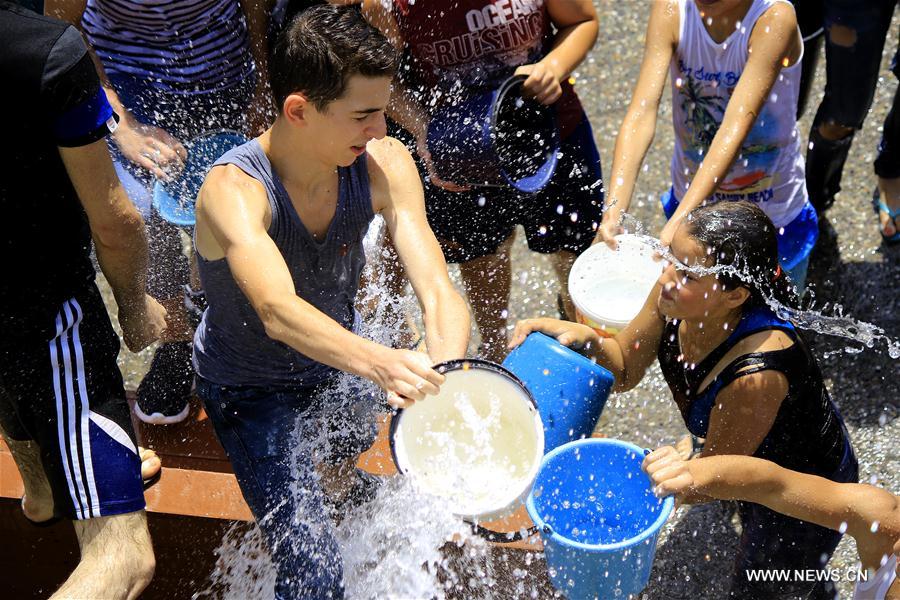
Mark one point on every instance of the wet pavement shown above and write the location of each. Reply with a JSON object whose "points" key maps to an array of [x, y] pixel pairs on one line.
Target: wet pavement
{"points": [[855, 271]]}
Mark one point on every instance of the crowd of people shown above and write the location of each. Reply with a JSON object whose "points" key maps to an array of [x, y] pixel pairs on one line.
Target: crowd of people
{"points": [[259, 317]]}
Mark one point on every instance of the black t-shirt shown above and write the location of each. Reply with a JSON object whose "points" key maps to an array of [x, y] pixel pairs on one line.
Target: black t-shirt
{"points": [[52, 97]]}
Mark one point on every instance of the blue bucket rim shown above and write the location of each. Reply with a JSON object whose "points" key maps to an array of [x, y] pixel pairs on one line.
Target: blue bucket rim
{"points": [[581, 358], [539, 180], [668, 503], [494, 97], [168, 206]]}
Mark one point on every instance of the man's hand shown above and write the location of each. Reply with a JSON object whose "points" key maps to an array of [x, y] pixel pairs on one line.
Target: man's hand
{"points": [[425, 155], [142, 325], [406, 375], [669, 471], [150, 147], [541, 83], [566, 333]]}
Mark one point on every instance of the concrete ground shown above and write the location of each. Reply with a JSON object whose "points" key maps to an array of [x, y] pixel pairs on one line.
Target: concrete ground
{"points": [[858, 273]]}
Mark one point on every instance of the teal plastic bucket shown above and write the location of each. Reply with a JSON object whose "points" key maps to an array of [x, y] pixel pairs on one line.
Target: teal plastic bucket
{"points": [[174, 200], [570, 389], [598, 517]]}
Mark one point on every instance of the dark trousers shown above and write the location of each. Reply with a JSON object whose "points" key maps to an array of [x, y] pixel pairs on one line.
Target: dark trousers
{"points": [[274, 437], [852, 74]]}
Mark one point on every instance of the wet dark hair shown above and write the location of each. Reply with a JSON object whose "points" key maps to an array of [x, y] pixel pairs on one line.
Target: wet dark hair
{"points": [[741, 235], [321, 48]]}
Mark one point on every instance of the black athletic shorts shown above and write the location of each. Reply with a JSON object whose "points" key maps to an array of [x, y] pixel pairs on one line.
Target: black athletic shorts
{"points": [[64, 391], [562, 216]]}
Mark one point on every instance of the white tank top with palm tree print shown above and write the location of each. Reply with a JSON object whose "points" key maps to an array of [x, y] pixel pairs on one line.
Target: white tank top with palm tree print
{"points": [[769, 169]]}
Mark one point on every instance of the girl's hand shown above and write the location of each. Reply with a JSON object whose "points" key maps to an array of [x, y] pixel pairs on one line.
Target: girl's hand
{"points": [[609, 228], [542, 84], [565, 332], [150, 147], [668, 232], [669, 471]]}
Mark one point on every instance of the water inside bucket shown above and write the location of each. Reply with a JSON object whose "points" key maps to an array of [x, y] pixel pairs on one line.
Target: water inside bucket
{"points": [[617, 299], [596, 498], [477, 443]]}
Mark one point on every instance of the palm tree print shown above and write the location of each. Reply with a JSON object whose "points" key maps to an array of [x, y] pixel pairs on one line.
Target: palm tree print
{"points": [[702, 113]]}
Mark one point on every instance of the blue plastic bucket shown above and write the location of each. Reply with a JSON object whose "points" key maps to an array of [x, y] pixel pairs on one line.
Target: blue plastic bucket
{"points": [[174, 200], [598, 517], [497, 138], [570, 389]]}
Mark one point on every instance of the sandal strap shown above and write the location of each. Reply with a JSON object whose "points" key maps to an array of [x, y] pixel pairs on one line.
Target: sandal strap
{"points": [[884, 208]]}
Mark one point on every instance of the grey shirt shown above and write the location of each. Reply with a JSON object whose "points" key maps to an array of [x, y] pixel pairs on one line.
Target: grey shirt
{"points": [[231, 346]]}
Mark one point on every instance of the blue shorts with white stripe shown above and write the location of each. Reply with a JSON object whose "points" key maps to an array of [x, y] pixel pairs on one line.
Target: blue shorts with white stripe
{"points": [[66, 394]]}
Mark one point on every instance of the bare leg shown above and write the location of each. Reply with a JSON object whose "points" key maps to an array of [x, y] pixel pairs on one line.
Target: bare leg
{"points": [[117, 559], [37, 503], [116, 554], [562, 264], [488, 281]]}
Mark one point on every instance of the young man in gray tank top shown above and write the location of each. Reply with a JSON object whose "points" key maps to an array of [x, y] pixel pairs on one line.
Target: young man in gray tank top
{"points": [[287, 383]]}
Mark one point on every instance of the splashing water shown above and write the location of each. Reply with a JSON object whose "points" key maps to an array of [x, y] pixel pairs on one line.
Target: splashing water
{"points": [[391, 548], [837, 324]]}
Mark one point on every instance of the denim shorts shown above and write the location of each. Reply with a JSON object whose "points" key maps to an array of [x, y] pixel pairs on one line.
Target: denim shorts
{"points": [[562, 216]]}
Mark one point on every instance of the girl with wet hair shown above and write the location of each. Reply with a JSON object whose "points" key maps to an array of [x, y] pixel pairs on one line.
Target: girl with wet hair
{"points": [[743, 379]]}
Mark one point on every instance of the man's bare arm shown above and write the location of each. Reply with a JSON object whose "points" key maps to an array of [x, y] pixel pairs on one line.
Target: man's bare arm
{"points": [[399, 187], [232, 218], [119, 238]]}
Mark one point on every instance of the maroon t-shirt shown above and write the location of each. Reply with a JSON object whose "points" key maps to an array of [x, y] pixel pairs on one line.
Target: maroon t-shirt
{"points": [[459, 46]]}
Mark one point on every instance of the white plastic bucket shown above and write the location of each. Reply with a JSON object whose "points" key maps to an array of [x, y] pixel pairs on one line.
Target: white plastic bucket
{"points": [[478, 443], [609, 287]]}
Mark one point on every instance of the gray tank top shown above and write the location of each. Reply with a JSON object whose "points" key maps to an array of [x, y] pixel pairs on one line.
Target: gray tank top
{"points": [[231, 346]]}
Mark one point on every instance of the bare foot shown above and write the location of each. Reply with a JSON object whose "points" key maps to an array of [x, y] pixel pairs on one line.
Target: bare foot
{"points": [[150, 463], [890, 195]]}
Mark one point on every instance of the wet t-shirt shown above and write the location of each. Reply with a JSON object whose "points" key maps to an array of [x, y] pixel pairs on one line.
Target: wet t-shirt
{"points": [[52, 98], [769, 168], [458, 47]]}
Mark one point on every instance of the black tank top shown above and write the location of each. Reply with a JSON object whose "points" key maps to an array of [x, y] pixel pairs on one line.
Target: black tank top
{"points": [[808, 433]]}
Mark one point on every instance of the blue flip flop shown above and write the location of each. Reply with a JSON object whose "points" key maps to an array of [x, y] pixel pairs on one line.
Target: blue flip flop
{"points": [[879, 206], [174, 200]]}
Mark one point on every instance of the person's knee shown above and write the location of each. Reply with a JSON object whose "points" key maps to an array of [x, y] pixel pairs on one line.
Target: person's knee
{"points": [[841, 35], [833, 131]]}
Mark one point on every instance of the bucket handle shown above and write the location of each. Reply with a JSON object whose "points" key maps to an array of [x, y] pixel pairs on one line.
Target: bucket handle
{"points": [[500, 537]]}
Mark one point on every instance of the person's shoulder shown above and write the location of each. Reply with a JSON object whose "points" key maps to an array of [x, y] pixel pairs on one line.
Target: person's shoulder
{"points": [[387, 158], [50, 46], [779, 19], [229, 178], [386, 150]]}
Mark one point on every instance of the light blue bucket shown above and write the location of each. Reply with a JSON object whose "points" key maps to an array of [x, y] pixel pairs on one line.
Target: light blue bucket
{"points": [[598, 517], [174, 200], [570, 390]]}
